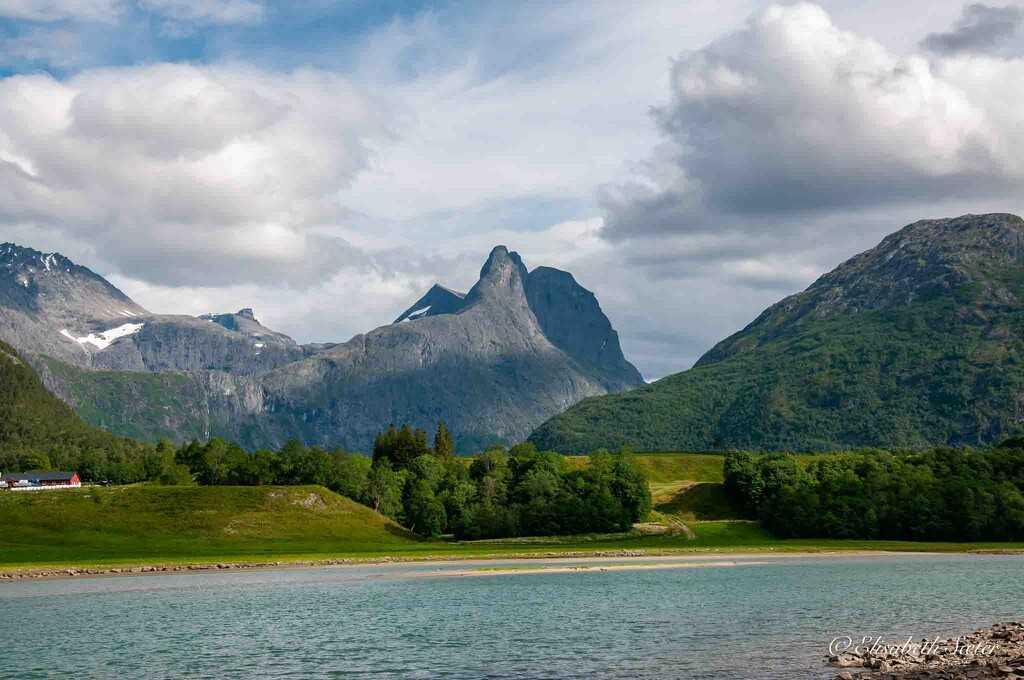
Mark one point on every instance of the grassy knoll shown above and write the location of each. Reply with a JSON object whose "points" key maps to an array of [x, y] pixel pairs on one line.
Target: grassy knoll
{"points": [[146, 522]]}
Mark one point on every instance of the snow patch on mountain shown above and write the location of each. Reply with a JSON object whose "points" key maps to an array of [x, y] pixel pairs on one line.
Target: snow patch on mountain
{"points": [[104, 339]]}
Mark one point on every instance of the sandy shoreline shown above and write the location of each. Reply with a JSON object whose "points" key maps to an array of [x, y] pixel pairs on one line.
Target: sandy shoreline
{"points": [[476, 565], [566, 569]]}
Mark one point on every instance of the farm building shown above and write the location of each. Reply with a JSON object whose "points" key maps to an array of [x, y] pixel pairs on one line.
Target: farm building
{"points": [[36, 481]]}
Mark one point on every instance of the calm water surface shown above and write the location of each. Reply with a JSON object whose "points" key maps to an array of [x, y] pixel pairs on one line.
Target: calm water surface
{"points": [[764, 621]]}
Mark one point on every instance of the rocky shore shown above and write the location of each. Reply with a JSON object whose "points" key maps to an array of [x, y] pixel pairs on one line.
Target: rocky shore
{"points": [[995, 652]]}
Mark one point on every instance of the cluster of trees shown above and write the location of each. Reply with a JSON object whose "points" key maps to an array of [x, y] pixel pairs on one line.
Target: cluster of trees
{"points": [[944, 494], [429, 490], [506, 493]]}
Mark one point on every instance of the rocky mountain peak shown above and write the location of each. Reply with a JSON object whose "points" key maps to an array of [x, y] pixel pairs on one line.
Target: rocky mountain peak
{"points": [[486, 362], [502, 276]]}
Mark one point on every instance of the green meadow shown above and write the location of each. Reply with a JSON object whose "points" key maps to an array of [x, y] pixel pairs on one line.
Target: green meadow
{"points": [[151, 524]]}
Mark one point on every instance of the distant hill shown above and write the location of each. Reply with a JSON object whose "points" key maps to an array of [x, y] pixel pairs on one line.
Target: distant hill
{"points": [[492, 363], [918, 341]]}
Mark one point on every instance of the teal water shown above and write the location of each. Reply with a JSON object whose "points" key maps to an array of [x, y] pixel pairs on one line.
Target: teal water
{"points": [[764, 621]]}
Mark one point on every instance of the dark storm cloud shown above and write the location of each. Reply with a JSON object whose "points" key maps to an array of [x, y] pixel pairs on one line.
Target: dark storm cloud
{"points": [[981, 30]]}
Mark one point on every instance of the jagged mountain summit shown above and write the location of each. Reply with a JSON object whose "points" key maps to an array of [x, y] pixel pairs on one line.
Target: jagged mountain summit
{"points": [[918, 341], [493, 363], [48, 303]]}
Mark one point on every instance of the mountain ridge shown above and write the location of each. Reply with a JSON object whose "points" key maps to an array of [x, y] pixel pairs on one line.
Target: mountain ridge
{"points": [[483, 364]]}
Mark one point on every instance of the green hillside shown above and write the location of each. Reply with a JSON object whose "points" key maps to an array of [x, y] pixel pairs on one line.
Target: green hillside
{"points": [[36, 428], [155, 523], [917, 342]]}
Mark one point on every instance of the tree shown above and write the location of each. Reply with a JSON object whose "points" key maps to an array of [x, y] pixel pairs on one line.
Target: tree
{"points": [[400, 447], [424, 513], [742, 479], [313, 466], [629, 486], [349, 473], [383, 491], [213, 466], [176, 475], [443, 444]]}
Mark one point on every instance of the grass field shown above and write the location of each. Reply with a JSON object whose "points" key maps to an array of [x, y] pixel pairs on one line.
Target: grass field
{"points": [[96, 524], [146, 524]]}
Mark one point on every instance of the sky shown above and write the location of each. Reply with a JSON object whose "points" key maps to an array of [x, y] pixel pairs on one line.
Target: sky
{"points": [[691, 162]]}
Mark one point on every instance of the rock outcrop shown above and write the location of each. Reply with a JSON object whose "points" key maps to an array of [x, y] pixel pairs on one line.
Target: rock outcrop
{"points": [[995, 652]]}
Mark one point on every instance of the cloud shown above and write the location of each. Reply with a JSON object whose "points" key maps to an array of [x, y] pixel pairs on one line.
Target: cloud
{"points": [[207, 11], [56, 10], [981, 30], [59, 48], [792, 116], [186, 173]]}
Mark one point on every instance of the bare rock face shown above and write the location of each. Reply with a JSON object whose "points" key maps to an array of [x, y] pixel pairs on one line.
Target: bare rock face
{"points": [[571, 318], [493, 363]]}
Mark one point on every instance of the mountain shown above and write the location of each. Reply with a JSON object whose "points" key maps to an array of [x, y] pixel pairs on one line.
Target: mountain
{"points": [[489, 368], [52, 307], [493, 363], [918, 341]]}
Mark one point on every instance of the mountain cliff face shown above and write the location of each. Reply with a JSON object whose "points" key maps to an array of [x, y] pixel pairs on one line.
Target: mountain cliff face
{"points": [[917, 341], [493, 363]]}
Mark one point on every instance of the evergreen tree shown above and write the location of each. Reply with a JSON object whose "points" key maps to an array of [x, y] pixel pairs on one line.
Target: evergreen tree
{"points": [[443, 444]]}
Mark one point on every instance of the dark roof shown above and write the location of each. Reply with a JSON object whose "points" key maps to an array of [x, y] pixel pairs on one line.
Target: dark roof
{"points": [[40, 476]]}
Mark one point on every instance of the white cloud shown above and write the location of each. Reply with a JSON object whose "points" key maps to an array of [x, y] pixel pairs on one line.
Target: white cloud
{"points": [[55, 10], [792, 114], [207, 11], [186, 173], [55, 47]]}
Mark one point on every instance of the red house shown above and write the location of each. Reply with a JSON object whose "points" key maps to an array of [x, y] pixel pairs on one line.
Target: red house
{"points": [[35, 481]]}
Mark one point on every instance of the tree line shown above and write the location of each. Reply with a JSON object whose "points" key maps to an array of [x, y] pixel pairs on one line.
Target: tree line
{"points": [[499, 493], [943, 494]]}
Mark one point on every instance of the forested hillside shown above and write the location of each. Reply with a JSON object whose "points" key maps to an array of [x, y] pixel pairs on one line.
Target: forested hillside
{"points": [[38, 431], [914, 343]]}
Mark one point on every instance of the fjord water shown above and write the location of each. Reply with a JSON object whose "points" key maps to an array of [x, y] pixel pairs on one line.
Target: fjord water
{"points": [[770, 620]]}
